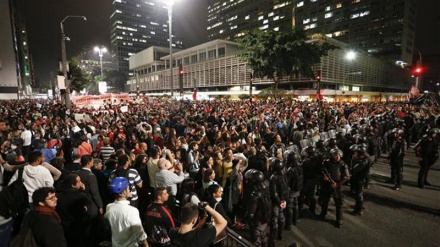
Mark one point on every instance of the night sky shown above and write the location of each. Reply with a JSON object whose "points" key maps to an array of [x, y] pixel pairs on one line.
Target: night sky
{"points": [[43, 19], [43, 24]]}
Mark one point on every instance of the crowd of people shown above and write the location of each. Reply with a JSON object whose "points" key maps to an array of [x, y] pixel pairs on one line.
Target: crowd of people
{"points": [[180, 173]]}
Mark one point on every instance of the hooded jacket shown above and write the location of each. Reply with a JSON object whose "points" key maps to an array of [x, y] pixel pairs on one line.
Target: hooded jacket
{"points": [[34, 177]]}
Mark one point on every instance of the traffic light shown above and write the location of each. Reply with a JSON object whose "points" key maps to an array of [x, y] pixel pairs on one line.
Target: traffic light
{"points": [[181, 78], [418, 70], [180, 70]]}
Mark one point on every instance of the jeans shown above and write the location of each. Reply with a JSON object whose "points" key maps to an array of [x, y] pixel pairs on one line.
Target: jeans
{"points": [[5, 233]]}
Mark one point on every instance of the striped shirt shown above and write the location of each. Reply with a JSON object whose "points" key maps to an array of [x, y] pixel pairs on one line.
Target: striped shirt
{"points": [[106, 152], [133, 178]]}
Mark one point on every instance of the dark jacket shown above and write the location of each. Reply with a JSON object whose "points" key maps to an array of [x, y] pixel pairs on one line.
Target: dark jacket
{"points": [[73, 207], [92, 189], [46, 229]]}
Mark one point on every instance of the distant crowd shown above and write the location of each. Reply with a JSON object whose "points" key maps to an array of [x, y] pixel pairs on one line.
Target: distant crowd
{"points": [[179, 173]]}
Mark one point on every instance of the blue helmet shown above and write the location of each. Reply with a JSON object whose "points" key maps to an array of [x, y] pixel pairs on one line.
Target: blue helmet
{"points": [[118, 184]]}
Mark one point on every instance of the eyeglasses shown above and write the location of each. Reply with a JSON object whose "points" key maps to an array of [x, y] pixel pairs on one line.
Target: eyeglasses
{"points": [[51, 198]]}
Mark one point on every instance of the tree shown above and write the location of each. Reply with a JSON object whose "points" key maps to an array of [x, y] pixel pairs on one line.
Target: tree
{"points": [[80, 79], [272, 93], [277, 54], [244, 96], [116, 80]]}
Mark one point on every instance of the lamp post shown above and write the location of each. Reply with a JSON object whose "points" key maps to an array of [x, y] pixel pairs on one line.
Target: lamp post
{"points": [[170, 4], [101, 51], [419, 65], [349, 56], [64, 57]]}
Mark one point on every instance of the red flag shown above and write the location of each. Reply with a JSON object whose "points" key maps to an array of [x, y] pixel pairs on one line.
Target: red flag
{"points": [[195, 94]]}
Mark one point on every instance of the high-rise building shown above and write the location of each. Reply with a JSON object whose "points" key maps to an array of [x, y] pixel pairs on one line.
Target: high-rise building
{"points": [[384, 28], [16, 75], [137, 25]]}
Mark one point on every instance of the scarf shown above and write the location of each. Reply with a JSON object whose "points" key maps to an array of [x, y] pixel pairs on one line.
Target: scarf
{"points": [[49, 211]]}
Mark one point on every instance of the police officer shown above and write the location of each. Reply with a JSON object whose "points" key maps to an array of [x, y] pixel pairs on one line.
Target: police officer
{"points": [[397, 152], [295, 183], [334, 174], [259, 208], [427, 152], [311, 173], [279, 192], [359, 172]]}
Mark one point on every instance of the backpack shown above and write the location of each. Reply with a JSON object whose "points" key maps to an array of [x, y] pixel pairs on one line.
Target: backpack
{"points": [[14, 200], [25, 237]]}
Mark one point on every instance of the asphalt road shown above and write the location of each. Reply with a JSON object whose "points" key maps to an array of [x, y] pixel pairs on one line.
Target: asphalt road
{"points": [[406, 218]]}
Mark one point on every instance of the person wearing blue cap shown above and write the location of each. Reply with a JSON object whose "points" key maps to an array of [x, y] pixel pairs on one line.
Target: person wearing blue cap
{"points": [[125, 222]]}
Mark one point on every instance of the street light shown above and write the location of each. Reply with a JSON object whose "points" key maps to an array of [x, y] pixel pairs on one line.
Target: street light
{"points": [[349, 56], [64, 57], [101, 51], [170, 4]]}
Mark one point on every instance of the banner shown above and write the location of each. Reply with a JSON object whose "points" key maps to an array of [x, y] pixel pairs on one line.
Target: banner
{"points": [[96, 101]]}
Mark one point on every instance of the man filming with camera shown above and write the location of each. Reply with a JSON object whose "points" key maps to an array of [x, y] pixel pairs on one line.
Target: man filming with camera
{"points": [[192, 231]]}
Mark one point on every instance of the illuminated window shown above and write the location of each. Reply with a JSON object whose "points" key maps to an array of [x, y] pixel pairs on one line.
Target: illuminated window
{"points": [[276, 18], [312, 1], [247, 17], [270, 14], [338, 5], [327, 8], [328, 15], [306, 21], [264, 27], [364, 13], [300, 4], [265, 21], [276, 29], [260, 18]]}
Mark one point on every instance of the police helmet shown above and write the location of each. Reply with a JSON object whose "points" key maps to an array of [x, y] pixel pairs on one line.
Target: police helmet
{"points": [[276, 164], [293, 158], [254, 176], [336, 151], [360, 149], [433, 131], [118, 185]]}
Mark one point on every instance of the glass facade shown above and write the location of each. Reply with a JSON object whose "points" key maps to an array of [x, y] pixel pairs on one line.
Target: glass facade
{"points": [[137, 25], [384, 28]]}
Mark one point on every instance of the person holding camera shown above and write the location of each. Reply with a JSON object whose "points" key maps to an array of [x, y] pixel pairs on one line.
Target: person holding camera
{"points": [[191, 234]]}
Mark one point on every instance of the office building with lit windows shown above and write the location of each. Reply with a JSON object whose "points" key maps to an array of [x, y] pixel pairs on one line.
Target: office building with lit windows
{"points": [[383, 28], [137, 25], [16, 76], [215, 68]]}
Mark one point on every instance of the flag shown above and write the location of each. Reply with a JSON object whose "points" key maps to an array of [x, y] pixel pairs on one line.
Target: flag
{"points": [[195, 94]]}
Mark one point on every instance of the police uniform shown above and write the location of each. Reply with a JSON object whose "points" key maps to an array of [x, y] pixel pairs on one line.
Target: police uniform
{"points": [[335, 173]]}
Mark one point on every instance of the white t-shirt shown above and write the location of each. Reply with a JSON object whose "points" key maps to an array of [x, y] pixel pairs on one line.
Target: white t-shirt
{"points": [[27, 137], [125, 223]]}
